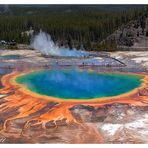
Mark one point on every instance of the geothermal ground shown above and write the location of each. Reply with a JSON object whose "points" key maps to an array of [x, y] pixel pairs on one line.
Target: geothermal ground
{"points": [[30, 118], [123, 61]]}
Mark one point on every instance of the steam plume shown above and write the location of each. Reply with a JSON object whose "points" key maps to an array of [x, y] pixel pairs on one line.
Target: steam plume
{"points": [[43, 43]]}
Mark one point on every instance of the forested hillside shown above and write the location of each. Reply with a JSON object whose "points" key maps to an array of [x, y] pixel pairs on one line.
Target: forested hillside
{"points": [[70, 26]]}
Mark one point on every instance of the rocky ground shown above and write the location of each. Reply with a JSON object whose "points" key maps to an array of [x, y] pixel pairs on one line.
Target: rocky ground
{"points": [[135, 59], [117, 123], [132, 36]]}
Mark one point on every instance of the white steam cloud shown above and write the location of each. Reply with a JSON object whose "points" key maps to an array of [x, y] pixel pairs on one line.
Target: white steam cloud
{"points": [[43, 43]]}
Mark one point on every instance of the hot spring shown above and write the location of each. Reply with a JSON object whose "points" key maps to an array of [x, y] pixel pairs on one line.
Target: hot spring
{"points": [[9, 57], [77, 84]]}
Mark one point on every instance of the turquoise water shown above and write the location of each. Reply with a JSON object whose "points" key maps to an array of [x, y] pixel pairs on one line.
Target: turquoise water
{"points": [[75, 84], [8, 57]]}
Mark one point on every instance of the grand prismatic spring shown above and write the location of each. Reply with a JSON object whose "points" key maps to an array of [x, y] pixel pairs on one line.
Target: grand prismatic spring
{"points": [[75, 84], [43, 99]]}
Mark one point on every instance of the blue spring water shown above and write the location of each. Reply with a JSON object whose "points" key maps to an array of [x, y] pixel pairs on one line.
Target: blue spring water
{"points": [[8, 57], [76, 84]]}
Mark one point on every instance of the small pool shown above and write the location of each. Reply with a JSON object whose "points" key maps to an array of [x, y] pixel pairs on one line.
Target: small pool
{"points": [[79, 85], [9, 57]]}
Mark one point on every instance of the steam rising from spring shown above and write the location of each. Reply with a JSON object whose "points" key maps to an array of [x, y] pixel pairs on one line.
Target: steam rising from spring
{"points": [[43, 43]]}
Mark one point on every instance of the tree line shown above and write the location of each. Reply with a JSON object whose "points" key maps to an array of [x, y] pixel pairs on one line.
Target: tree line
{"points": [[72, 28]]}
